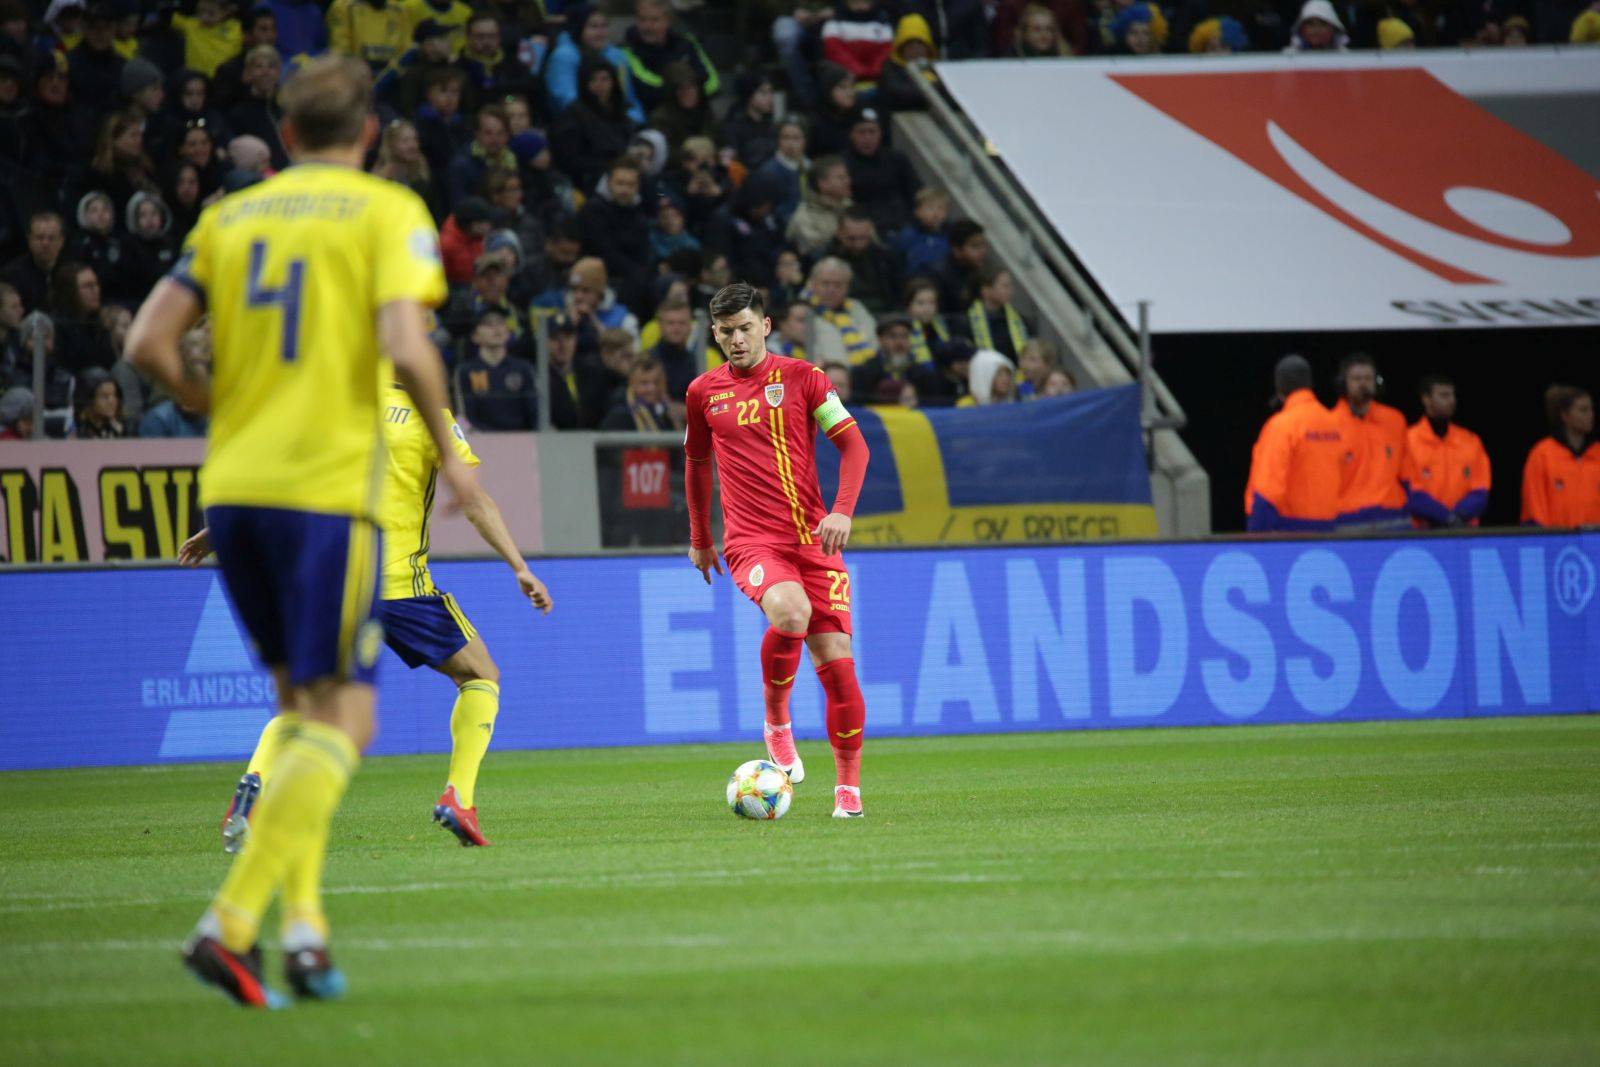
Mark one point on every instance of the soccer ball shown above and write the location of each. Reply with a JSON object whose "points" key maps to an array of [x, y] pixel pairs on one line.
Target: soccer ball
{"points": [[760, 790]]}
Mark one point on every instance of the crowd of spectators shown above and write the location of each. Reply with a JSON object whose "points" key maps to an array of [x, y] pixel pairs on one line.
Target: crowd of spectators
{"points": [[593, 172], [1359, 467]]}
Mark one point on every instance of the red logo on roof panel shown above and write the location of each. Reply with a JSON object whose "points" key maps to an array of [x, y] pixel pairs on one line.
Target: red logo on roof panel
{"points": [[1398, 157]]}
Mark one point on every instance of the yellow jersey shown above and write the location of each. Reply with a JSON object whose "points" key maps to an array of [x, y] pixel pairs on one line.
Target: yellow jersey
{"points": [[205, 48], [411, 474], [293, 271]]}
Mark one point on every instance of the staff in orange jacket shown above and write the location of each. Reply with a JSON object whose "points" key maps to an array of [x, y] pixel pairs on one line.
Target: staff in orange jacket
{"points": [[1375, 449], [1297, 464], [1446, 470], [1561, 480]]}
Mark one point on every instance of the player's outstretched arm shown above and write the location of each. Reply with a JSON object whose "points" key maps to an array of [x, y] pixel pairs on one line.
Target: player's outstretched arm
{"points": [[484, 514], [152, 347], [402, 330]]}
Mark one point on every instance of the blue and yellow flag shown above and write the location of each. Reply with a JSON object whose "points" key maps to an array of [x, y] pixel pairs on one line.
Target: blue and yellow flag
{"points": [[1070, 468]]}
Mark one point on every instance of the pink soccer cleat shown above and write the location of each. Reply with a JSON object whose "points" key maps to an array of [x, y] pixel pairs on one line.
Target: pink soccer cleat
{"points": [[847, 802], [781, 750]]}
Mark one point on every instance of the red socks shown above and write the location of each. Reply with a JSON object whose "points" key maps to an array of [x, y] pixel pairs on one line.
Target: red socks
{"points": [[780, 659], [847, 717]]}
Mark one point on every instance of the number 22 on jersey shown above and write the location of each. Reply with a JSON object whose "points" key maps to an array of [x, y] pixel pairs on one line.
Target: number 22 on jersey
{"points": [[285, 298]]}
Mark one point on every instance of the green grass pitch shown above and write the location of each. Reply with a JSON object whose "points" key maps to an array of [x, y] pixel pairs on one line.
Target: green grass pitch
{"points": [[1397, 893]]}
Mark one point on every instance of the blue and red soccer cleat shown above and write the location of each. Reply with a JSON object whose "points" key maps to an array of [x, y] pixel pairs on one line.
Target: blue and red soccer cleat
{"points": [[236, 824], [237, 976], [312, 975], [463, 822]]}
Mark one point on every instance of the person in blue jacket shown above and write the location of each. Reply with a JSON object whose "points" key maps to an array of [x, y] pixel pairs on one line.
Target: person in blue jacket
{"points": [[593, 31]]}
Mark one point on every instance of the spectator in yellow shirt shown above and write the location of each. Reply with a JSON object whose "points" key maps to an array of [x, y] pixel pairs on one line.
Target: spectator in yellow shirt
{"points": [[372, 30], [453, 15], [210, 38]]}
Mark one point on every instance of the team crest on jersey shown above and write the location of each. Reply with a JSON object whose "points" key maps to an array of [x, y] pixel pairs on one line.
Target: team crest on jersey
{"points": [[758, 573], [775, 395]]}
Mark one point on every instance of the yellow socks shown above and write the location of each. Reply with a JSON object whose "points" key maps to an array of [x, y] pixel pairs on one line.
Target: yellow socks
{"points": [[471, 726], [288, 834], [279, 729]]}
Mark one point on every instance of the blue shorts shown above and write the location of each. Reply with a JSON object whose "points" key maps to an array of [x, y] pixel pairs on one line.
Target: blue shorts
{"points": [[425, 630], [303, 584]]}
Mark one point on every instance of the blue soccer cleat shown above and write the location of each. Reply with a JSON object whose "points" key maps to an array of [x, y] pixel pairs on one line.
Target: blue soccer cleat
{"points": [[236, 824], [312, 975]]}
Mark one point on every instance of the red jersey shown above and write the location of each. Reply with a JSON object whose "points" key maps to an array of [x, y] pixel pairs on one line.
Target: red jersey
{"points": [[761, 425]]}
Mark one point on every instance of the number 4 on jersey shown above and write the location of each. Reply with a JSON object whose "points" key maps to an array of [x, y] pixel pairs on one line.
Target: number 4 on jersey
{"points": [[285, 298]]}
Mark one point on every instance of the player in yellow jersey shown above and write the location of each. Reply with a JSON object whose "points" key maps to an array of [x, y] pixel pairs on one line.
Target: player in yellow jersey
{"points": [[317, 282], [421, 624]]}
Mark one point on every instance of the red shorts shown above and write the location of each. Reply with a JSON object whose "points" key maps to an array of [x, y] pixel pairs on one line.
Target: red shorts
{"points": [[757, 568]]}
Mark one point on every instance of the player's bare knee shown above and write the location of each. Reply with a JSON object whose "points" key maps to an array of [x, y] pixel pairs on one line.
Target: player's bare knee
{"points": [[792, 617]]}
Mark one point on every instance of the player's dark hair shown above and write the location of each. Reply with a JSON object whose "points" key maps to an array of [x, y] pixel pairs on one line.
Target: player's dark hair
{"points": [[1292, 374], [1558, 400], [734, 298], [327, 102], [1432, 381]]}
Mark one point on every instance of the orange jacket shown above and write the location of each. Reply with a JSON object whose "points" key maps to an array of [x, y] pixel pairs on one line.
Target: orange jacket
{"points": [[1296, 468], [1560, 488], [1448, 476], [1375, 453]]}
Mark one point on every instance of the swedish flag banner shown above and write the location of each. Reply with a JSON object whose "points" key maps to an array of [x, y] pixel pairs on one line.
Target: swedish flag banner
{"points": [[1070, 468]]}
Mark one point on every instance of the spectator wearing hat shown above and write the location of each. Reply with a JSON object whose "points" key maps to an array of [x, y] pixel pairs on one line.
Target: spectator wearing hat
{"points": [[152, 249], [1374, 436], [969, 254], [1394, 33], [960, 27], [402, 85], [897, 84], [210, 37], [94, 66], [749, 129], [143, 92], [839, 321], [616, 228], [461, 238], [495, 389], [787, 168], [578, 394], [992, 319], [16, 414], [451, 16], [836, 109], [1219, 36], [588, 300], [859, 38], [1561, 478], [99, 245], [673, 351], [1586, 27], [653, 43], [874, 270], [881, 378], [257, 114], [823, 202], [1297, 464], [1318, 29], [30, 273], [373, 31], [99, 406], [991, 379], [595, 129], [587, 33], [491, 282], [945, 382], [668, 230], [260, 28], [1447, 470], [63, 27], [746, 230], [1135, 30], [38, 330], [170, 418], [1020, 30], [881, 178]]}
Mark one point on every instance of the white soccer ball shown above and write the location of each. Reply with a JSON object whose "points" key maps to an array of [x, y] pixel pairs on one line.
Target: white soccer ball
{"points": [[760, 790]]}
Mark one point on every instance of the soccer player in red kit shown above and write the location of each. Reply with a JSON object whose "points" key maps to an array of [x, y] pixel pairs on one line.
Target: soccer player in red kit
{"points": [[758, 414]]}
